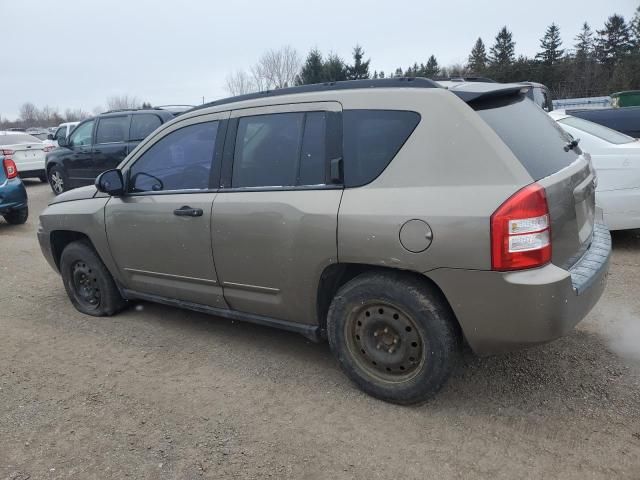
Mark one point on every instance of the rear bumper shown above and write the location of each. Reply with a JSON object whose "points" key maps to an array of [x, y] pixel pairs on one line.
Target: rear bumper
{"points": [[501, 312], [621, 208], [13, 196]]}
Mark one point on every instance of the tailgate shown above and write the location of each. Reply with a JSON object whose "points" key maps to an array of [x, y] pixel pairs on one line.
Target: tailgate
{"points": [[571, 198]]}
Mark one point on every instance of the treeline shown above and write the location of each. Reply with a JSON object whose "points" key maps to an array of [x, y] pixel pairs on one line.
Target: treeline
{"points": [[32, 116], [596, 62]]}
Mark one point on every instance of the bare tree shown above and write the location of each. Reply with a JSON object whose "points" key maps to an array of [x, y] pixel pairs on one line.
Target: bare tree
{"points": [[122, 102], [279, 68], [29, 114], [239, 83], [76, 115], [97, 110]]}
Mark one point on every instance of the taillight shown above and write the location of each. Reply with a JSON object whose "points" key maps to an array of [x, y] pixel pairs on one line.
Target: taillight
{"points": [[48, 148], [10, 169], [521, 231]]}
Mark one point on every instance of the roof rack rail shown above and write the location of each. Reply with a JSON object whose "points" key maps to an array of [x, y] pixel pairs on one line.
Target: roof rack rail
{"points": [[397, 82]]}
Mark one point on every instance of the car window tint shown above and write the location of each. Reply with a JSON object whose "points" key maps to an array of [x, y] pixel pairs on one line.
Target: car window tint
{"points": [[597, 130], [267, 150], [182, 160], [112, 129], [313, 158], [371, 139], [142, 125], [60, 133], [531, 134], [82, 135]]}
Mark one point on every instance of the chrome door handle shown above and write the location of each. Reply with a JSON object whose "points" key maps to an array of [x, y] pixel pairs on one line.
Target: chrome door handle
{"points": [[187, 211]]}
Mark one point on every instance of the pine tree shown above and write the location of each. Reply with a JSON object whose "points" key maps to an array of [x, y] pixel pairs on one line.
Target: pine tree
{"points": [[398, 72], [360, 69], [502, 54], [478, 57], [613, 41], [634, 28], [431, 69], [334, 68], [550, 44], [584, 43], [381, 75], [312, 70]]}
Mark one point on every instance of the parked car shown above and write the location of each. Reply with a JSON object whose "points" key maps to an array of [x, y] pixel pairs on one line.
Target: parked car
{"points": [[63, 130], [629, 98], [13, 196], [390, 216], [625, 120], [98, 144], [616, 158], [27, 152]]}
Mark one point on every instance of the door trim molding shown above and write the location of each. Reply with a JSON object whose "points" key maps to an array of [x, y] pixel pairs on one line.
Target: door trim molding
{"points": [[312, 332], [171, 276], [253, 288]]}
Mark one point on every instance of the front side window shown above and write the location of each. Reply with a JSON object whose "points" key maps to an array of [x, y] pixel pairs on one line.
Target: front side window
{"points": [[280, 150], [182, 160], [371, 139], [112, 129], [82, 135], [142, 125]]}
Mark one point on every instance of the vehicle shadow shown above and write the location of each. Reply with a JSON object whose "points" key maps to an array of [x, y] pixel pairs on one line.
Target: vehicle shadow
{"points": [[626, 239], [574, 373]]}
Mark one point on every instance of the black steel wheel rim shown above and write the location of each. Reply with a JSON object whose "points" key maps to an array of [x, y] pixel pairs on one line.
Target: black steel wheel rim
{"points": [[85, 285], [385, 342]]}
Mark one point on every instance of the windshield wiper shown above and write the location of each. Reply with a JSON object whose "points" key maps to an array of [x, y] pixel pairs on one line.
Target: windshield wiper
{"points": [[572, 144]]}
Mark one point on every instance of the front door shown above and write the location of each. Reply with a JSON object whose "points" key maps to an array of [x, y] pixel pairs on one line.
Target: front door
{"points": [[79, 158], [160, 232], [275, 219]]}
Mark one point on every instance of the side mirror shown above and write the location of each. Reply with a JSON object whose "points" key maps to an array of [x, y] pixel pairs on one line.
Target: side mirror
{"points": [[50, 136], [110, 182], [63, 142]]}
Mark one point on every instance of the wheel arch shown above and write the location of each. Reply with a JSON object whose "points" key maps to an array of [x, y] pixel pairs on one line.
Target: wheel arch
{"points": [[336, 275]]}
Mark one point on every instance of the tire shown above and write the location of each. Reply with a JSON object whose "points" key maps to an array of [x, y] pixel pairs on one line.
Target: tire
{"points": [[88, 283], [17, 217], [57, 179], [393, 336]]}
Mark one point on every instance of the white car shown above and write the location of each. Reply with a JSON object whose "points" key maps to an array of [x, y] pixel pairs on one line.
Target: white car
{"points": [[63, 130], [27, 152], [616, 158]]}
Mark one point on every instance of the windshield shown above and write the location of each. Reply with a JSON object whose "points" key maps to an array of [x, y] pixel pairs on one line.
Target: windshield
{"points": [[17, 139], [597, 130]]}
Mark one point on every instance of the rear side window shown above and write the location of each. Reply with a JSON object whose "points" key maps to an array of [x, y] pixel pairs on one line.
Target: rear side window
{"points": [[371, 139], [112, 129], [533, 137], [282, 149], [142, 125]]}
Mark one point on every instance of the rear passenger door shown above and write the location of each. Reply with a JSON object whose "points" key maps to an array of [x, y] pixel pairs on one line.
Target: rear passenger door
{"points": [[275, 216], [110, 148]]}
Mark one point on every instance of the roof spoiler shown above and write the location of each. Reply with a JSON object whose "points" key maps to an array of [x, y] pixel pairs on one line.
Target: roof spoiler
{"points": [[476, 95]]}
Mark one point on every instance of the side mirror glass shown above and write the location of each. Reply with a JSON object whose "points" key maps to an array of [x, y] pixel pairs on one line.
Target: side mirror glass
{"points": [[63, 142], [110, 182]]}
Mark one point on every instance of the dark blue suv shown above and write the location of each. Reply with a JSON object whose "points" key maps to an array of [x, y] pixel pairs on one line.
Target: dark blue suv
{"points": [[13, 196]]}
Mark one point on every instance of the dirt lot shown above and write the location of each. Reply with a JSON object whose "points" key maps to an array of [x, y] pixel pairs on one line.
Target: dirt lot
{"points": [[158, 392]]}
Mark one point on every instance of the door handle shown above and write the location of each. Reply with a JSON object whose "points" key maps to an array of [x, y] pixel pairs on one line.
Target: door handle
{"points": [[187, 211]]}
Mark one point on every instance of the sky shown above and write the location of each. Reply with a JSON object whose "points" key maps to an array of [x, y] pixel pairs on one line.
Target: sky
{"points": [[77, 53]]}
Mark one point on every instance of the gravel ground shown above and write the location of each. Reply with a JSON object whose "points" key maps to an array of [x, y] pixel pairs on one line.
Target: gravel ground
{"points": [[159, 393]]}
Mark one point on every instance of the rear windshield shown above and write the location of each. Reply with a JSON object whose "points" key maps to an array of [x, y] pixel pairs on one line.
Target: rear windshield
{"points": [[533, 137], [597, 130], [17, 139]]}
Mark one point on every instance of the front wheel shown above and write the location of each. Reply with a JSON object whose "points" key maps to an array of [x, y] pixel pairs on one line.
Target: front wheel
{"points": [[57, 180], [88, 283], [393, 336], [17, 217]]}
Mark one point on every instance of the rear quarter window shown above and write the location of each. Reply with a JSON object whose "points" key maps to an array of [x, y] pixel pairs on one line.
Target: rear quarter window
{"points": [[533, 137], [371, 139]]}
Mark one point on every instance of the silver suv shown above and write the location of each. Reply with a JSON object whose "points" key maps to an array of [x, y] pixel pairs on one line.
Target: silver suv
{"points": [[393, 217]]}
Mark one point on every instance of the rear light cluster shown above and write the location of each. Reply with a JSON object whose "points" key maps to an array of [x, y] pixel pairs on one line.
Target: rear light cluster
{"points": [[48, 148], [521, 231], [10, 169]]}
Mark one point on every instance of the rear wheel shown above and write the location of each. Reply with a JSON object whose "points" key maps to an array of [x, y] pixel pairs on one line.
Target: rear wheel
{"points": [[57, 179], [393, 336], [17, 217], [88, 283]]}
